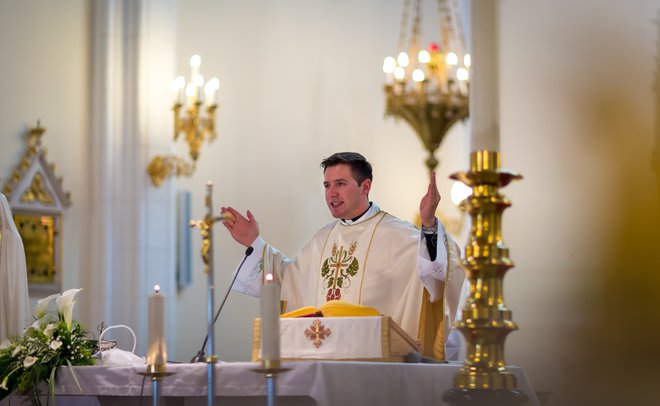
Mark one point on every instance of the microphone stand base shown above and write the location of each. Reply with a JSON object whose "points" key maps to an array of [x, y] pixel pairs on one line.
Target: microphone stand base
{"points": [[199, 357]]}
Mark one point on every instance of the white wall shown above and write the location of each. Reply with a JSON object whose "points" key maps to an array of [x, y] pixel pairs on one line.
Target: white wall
{"points": [[44, 76], [302, 79]]}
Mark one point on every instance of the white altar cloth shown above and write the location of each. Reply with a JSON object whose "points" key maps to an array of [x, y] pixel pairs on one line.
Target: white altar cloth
{"points": [[307, 383]]}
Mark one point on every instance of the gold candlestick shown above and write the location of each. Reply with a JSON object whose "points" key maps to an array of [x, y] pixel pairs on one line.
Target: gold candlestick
{"points": [[486, 321], [271, 368], [156, 373]]}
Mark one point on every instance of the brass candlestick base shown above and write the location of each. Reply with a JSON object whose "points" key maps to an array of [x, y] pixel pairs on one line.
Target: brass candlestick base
{"points": [[157, 373], [484, 397], [486, 321], [271, 368]]}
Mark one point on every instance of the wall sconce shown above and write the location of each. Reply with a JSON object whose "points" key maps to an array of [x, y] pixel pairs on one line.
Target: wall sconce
{"points": [[197, 123]]}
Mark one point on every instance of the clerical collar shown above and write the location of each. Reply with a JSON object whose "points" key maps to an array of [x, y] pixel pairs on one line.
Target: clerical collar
{"points": [[369, 213]]}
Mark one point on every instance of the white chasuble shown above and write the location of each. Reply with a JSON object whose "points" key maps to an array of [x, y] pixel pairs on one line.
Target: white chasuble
{"points": [[376, 261], [371, 263]]}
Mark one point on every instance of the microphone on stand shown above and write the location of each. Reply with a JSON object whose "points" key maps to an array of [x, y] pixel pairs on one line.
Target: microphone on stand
{"points": [[200, 357]]}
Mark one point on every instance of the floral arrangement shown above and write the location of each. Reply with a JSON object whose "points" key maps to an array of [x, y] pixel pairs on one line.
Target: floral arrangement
{"points": [[52, 341]]}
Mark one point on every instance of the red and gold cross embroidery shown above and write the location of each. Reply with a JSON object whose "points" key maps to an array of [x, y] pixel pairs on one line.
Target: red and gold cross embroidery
{"points": [[338, 269], [317, 332]]}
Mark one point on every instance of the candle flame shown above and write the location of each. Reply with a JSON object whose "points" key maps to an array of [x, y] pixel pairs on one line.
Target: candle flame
{"points": [[269, 277], [156, 288], [195, 61]]}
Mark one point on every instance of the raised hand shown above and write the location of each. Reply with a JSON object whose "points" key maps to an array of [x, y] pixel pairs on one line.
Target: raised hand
{"points": [[243, 230], [429, 203]]}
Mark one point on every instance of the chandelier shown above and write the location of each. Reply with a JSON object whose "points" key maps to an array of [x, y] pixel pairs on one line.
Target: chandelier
{"points": [[197, 122], [428, 87]]}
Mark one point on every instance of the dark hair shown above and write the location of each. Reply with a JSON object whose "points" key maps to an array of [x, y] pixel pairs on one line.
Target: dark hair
{"points": [[360, 167]]}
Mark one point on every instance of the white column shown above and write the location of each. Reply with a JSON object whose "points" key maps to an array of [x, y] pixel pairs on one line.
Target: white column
{"points": [[131, 223], [484, 82]]}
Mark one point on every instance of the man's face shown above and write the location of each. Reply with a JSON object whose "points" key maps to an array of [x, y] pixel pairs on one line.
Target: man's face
{"points": [[345, 198]]}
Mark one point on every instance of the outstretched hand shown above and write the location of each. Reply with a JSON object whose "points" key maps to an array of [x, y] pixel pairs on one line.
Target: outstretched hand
{"points": [[429, 203], [243, 230]]}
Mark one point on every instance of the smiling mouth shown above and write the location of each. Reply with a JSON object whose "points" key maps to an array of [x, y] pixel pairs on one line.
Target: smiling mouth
{"points": [[336, 204]]}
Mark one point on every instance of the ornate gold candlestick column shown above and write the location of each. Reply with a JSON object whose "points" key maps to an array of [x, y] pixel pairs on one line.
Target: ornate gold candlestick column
{"points": [[486, 321]]}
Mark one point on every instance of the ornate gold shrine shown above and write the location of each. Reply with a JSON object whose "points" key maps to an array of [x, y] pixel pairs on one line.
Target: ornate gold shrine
{"points": [[38, 200]]}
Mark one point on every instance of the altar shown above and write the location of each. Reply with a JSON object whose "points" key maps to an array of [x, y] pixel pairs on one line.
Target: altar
{"points": [[306, 383]]}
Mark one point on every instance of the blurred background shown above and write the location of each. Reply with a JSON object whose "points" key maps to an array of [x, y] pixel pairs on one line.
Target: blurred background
{"points": [[300, 80]]}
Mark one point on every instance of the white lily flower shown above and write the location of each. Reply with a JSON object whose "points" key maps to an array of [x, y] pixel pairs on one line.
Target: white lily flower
{"points": [[29, 361], [42, 305], [67, 313], [49, 330], [5, 344], [35, 325], [65, 305], [17, 350], [55, 344]]}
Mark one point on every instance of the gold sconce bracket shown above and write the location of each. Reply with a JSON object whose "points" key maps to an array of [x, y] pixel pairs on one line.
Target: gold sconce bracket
{"points": [[163, 167], [194, 127], [196, 123]]}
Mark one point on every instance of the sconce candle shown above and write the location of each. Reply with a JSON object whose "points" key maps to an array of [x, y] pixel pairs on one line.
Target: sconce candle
{"points": [[177, 89], [157, 347], [270, 319], [195, 63], [209, 91]]}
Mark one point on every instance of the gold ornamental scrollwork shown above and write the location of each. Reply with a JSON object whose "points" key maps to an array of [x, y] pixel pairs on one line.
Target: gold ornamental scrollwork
{"points": [[37, 193], [163, 167]]}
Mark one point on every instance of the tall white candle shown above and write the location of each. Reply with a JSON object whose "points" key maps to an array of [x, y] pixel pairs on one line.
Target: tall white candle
{"points": [[270, 319], [484, 83], [157, 347]]}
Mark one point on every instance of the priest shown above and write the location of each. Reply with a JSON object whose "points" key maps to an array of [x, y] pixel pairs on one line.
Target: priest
{"points": [[14, 297], [365, 256]]}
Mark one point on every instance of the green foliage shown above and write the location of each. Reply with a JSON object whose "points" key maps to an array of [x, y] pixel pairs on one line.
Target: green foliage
{"points": [[28, 360], [353, 267], [325, 269]]}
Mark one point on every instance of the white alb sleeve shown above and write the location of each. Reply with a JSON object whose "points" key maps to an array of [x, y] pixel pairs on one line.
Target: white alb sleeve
{"points": [[249, 278], [433, 273]]}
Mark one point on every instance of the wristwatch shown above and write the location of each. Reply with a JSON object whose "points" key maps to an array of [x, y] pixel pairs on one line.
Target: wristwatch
{"points": [[431, 230]]}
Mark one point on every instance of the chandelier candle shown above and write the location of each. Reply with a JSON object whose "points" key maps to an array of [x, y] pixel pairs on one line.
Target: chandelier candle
{"points": [[270, 322], [157, 347]]}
